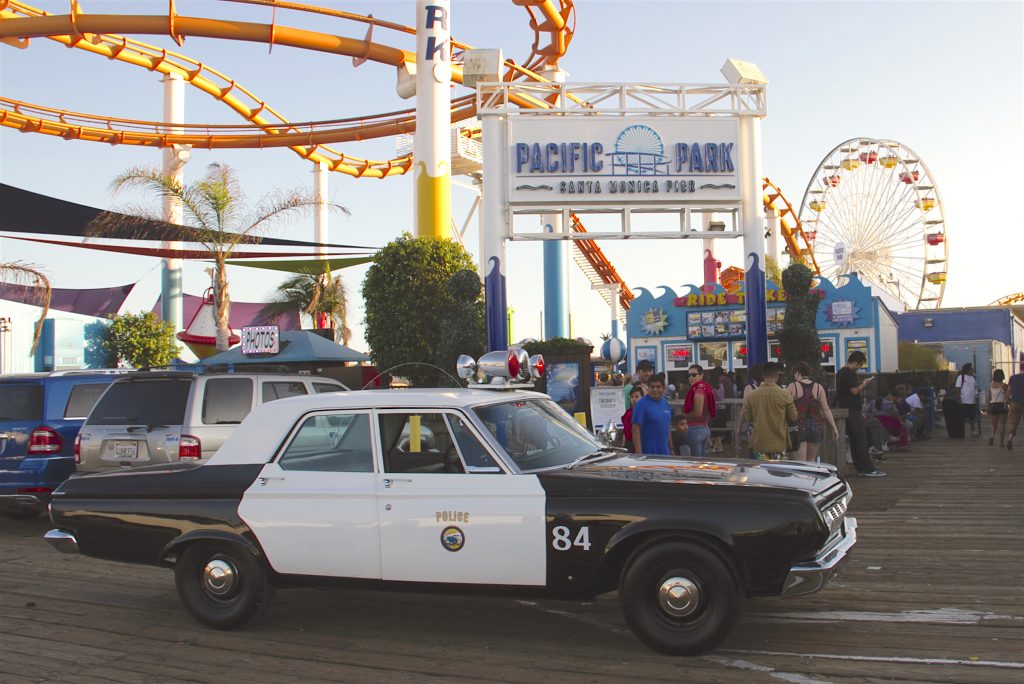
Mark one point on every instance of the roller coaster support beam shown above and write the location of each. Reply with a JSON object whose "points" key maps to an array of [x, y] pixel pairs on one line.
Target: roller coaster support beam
{"points": [[432, 148], [174, 160], [556, 283], [494, 229], [752, 224]]}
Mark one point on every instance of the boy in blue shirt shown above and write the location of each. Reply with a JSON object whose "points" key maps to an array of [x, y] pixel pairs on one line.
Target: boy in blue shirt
{"points": [[652, 416]]}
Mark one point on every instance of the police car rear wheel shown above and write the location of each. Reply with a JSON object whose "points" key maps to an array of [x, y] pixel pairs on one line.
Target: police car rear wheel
{"points": [[222, 585], [679, 598]]}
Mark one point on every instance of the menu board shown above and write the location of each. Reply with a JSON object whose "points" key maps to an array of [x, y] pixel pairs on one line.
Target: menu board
{"points": [[712, 325], [728, 323]]}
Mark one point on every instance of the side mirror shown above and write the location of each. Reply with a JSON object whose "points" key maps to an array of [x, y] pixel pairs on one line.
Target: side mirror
{"points": [[609, 434]]}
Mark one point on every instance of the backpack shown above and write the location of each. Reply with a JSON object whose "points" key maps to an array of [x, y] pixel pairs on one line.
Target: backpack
{"points": [[807, 407]]}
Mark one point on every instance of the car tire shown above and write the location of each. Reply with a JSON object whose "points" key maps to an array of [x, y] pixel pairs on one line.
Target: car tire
{"points": [[679, 598], [20, 513], [223, 585]]}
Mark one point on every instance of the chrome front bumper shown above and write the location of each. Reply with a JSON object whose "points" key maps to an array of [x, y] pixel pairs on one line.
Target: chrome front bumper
{"points": [[64, 542], [810, 576]]}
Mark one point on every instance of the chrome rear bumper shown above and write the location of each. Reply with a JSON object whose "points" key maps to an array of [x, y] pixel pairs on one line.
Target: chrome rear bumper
{"points": [[64, 542], [25, 500], [810, 576]]}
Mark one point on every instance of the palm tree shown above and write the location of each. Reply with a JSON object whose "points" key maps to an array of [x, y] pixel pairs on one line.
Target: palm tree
{"points": [[324, 295], [215, 212], [24, 274]]}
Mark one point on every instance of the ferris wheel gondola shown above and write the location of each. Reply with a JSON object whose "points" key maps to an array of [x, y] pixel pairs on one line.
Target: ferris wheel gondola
{"points": [[874, 209]]}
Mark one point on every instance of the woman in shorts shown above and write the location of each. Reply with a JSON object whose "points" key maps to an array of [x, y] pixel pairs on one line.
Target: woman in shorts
{"points": [[812, 413], [998, 391]]}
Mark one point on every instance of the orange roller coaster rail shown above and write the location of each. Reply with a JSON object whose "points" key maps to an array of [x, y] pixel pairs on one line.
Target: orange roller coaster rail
{"points": [[94, 33]]}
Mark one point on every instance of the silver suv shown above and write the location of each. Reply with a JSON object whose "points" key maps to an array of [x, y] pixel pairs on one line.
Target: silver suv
{"points": [[165, 416]]}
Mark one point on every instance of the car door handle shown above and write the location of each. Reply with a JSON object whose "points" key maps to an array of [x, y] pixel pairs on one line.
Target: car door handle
{"points": [[264, 479], [388, 481]]}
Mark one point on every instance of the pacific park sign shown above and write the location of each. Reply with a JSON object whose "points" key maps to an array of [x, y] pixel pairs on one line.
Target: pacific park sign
{"points": [[626, 160]]}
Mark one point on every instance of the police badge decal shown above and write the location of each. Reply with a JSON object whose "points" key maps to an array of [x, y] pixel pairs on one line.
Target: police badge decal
{"points": [[452, 538]]}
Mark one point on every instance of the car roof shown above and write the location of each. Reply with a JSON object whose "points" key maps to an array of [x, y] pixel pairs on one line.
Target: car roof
{"points": [[268, 424], [188, 375], [108, 373]]}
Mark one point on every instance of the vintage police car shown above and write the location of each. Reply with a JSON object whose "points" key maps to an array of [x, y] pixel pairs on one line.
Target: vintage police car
{"points": [[495, 489]]}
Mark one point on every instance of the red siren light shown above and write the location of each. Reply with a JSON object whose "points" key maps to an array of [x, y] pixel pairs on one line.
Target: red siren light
{"points": [[512, 364], [537, 366]]}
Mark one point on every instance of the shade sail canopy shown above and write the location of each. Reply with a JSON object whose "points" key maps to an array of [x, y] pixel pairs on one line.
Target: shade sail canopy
{"points": [[99, 303], [308, 266], [297, 346], [30, 212]]}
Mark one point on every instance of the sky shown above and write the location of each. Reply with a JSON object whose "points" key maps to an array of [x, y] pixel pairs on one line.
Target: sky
{"points": [[945, 79]]}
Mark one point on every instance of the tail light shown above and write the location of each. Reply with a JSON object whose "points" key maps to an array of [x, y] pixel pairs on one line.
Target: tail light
{"points": [[44, 440], [78, 448], [189, 448]]}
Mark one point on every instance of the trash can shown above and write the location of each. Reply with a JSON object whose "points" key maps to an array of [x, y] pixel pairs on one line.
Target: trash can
{"points": [[953, 414]]}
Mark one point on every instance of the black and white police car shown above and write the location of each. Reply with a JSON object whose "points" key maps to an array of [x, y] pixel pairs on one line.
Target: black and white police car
{"points": [[456, 487]]}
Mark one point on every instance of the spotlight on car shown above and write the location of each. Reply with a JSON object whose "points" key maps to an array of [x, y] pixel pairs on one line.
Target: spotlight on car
{"points": [[466, 367]]}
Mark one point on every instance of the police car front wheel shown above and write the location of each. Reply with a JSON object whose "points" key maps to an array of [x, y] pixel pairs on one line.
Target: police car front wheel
{"points": [[222, 585], [679, 598]]}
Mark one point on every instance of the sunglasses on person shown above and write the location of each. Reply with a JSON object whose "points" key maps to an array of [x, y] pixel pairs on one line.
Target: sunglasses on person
{"points": [[694, 375]]}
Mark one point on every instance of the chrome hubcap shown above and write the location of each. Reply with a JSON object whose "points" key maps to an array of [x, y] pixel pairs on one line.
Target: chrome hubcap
{"points": [[679, 596], [219, 577]]}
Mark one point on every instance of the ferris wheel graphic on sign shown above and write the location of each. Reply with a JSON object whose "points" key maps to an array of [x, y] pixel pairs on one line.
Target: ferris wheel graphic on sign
{"points": [[639, 151]]}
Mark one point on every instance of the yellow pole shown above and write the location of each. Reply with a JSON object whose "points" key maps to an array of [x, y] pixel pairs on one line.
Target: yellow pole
{"points": [[432, 149]]}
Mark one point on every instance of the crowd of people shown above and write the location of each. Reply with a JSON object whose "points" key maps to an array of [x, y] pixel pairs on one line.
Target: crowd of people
{"points": [[792, 421], [1005, 404]]}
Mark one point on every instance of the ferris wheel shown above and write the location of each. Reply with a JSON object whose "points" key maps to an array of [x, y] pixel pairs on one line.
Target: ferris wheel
{"points": [[872, 207]]}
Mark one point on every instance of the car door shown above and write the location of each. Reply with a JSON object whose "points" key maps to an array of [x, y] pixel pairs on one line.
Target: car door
{"points": [[448, 511], [314, 507]]}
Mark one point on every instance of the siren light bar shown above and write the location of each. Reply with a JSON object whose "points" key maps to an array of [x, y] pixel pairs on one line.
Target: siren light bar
{"points": [[501, 369]]}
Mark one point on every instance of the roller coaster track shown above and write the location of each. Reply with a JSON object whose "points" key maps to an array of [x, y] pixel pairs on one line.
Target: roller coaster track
{"points": [[1016, 298], [595, 265], [793, 235], [93, 33]]}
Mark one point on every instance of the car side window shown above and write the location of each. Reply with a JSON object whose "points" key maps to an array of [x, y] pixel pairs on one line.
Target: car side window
{"points": [[279, 389], [418, 443], [226, 401], [321, 387], [335, 443], [474, 454], [82, 398]]}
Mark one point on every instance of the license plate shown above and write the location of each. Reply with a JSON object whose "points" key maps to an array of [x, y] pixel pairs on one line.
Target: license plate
{"points": [[126, 449]]}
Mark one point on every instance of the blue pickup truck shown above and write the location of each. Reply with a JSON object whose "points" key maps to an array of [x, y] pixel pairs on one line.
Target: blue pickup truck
{"points": [[40, 415]]}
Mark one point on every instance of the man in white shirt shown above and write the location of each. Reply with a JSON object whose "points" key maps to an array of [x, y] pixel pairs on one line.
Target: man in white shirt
{"points": [[968, 387], [916, 415]]}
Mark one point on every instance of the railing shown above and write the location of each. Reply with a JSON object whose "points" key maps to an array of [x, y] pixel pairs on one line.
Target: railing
{"points": [[829, 452]]}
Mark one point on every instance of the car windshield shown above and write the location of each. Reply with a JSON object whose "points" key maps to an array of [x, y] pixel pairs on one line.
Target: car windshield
{"points": [[537, 434]]}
